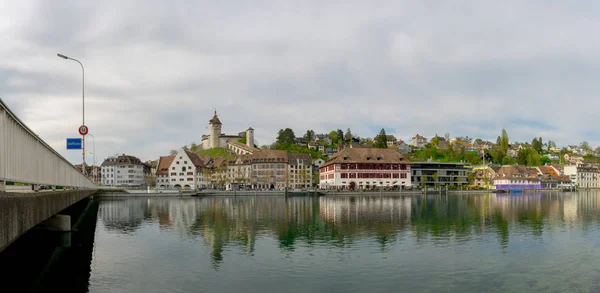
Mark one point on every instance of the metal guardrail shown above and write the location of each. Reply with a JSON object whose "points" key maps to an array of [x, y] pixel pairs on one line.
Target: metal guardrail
{"points": [[26, 158]]}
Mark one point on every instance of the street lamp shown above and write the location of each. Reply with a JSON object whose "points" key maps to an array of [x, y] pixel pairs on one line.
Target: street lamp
{"points": [[83, 105], [94, 153]]}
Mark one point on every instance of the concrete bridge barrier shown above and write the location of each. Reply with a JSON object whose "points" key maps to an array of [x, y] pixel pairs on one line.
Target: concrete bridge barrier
{"points": [[20, 212]]}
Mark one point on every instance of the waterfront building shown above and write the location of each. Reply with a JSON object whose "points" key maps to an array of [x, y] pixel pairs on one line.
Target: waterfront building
{"points": [[362, 168], [583, 175], [124, 171], [183, 170], [439, 174], [514, 177], [216, 139], [418, 141], [484, 177], [551, 178]]}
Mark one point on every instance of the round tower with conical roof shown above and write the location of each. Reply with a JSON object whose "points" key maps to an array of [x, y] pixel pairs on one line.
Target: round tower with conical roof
{"points": [[215, 131]]}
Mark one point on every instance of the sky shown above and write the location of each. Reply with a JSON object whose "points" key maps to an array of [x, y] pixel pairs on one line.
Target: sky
{"points": [[156, 70]]}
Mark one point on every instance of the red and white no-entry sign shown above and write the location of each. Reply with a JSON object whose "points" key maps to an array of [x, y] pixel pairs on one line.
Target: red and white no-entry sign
{"points": [[83, 130]]}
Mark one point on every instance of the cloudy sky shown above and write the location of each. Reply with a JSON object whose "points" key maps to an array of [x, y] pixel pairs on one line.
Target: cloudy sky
{"points": [[156, 70]]}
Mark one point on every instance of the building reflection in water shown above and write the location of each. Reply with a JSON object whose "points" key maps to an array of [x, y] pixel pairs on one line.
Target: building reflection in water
{"points": [[223, 223]]}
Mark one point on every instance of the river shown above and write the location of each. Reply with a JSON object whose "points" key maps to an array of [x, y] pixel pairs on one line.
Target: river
{"points": [[547, 242]]}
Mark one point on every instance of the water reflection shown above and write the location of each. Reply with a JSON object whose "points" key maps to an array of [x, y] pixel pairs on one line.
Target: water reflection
{"points": [[237, 222]]}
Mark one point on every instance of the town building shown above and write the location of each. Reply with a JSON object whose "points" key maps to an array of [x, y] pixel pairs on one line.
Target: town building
{"points": [[390, 140], [124, 171], [94, 173], [216, 139], [277, 169], [183, 170], [583, 175], [364, 168], [550, 178], [484, 177], [418, 141], [318, 162], [573, 159], [439, 174], [514, 177], [402, 147]]}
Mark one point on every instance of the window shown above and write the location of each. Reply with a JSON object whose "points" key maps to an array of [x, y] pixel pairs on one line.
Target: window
{"points": [[183, 168], [185, 162], [395, 175], [190, 179], [180, 179], [173, 174], [190, 173], [344, 175], [177, 162], [173, 168]]}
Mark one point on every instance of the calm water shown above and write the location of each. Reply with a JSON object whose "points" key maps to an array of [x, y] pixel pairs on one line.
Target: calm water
{"points": [[468, 243]]}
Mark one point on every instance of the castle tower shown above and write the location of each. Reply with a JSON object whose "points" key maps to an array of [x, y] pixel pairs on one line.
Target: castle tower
{"points": [[215, 131], [250, 137]]}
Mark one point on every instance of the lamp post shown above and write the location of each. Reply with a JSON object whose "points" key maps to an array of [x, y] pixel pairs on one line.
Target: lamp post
{"points": [[94, 162], [82, 107]]}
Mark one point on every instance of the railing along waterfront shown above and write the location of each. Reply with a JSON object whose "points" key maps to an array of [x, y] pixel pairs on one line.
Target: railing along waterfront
{"points": [[26, 158]]}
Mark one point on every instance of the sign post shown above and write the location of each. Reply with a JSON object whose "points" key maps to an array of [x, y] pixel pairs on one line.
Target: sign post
{"points": [[74, 143]]}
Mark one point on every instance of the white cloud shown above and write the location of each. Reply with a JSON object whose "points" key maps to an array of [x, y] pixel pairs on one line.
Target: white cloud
{"points": [[155, 70]]}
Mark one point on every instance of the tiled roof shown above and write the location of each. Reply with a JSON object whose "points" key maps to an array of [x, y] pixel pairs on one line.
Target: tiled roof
{"points": [[419, 136], [293, 158], [367, 155], [272, 156], [241, 145], [122, 160], [517, 172], [163, 165], [390, 137]]}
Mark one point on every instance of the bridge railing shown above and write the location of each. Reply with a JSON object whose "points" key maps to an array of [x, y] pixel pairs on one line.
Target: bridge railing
{"points": [[26, 158]]}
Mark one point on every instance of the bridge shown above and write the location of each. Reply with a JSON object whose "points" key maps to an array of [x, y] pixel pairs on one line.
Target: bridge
{"points": [[26, 159]]}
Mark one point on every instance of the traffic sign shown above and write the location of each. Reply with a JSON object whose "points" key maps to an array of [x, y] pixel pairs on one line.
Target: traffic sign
{"points": [[74, 143], [83, 130]]}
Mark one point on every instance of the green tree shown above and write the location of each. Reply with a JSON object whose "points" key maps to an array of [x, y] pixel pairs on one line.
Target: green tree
{"points": [[286, 136], [340, 135], [381, 140], [536, 144], [173, 152], [310, 135], [527, 156], [435, 141], [334, 137], [585, 146], [551, 144], [348, 136], [185, 148], [545, 160], [435, 177], [504, 142], [194, 147]]}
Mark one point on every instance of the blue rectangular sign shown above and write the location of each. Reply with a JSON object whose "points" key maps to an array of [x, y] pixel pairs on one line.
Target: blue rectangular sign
{"points": [[73, 143]]}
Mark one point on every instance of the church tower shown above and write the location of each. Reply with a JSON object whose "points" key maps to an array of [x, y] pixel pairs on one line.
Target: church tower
{"points": [[250, 137], [215, 131]]}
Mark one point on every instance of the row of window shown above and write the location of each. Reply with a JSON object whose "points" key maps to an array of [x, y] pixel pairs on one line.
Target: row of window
{"points": [[181, 179], [372, 175], [373, 166]]}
